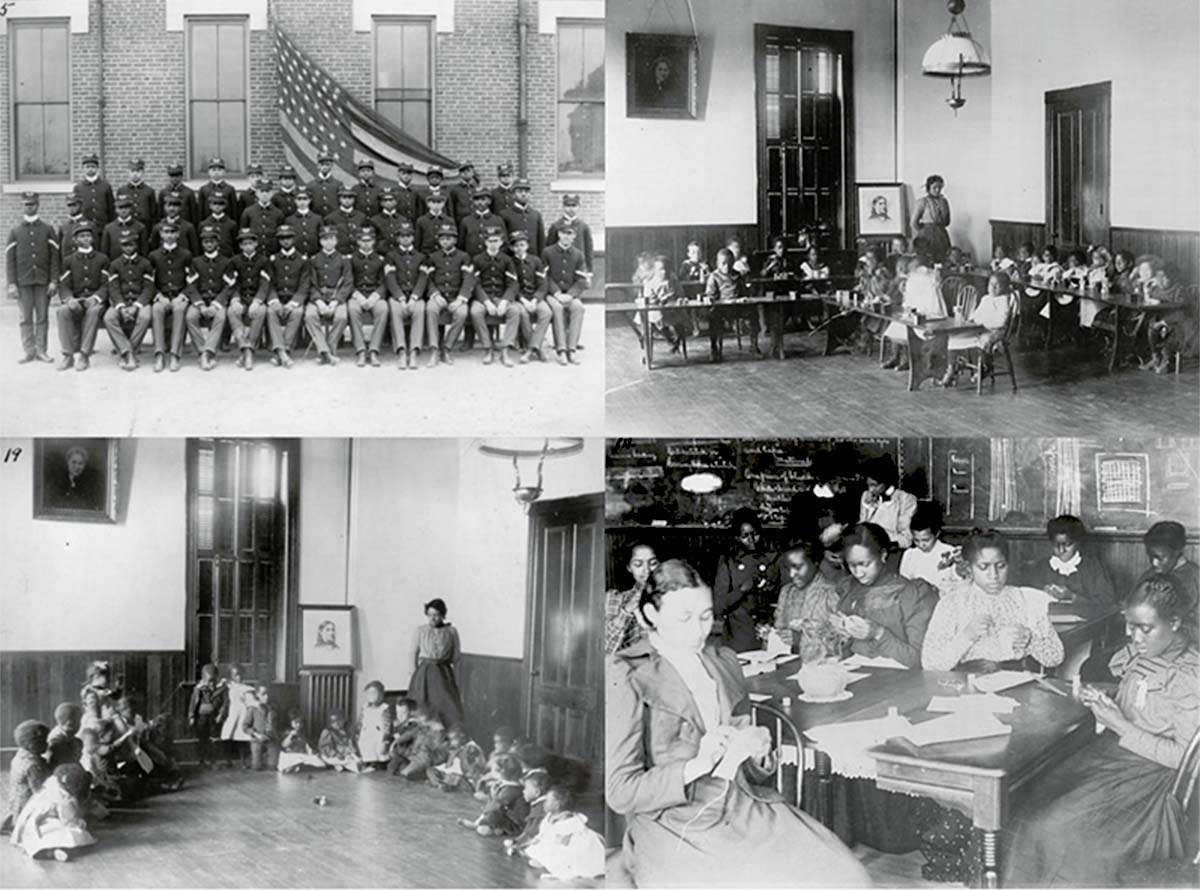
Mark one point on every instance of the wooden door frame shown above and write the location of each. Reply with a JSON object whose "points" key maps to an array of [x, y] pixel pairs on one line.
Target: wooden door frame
{"points": [[536, 512], [843, 43], [1076, 95]]}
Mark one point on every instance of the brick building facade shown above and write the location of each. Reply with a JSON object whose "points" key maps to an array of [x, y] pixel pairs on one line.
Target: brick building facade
{"points": [[129, 96]]}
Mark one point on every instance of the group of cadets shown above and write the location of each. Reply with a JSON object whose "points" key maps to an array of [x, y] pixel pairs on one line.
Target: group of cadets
{"points": [[323, 255]]}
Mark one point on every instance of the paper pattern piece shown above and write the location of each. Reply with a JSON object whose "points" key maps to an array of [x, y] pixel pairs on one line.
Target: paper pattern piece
{"points": [[1002, 680], [976, 704], [882, 661], [847, 743], [957, 727]]}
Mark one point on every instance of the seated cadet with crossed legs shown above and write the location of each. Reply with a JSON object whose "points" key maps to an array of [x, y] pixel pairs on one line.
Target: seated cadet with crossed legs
{"points": [[290, 278], [83, 291], [249, 280], [406, 280], [450, 279], [531, 297], [208, 295], [495, 296], [130, 290], [367, 298], [332, 280]]}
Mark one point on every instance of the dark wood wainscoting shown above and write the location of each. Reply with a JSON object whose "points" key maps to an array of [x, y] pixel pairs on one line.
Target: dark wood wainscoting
{"points": [[624, 243], [493, 691], [1013, 234]]}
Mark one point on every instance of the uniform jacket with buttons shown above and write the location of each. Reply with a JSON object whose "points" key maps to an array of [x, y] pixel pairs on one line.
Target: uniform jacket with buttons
{"points": [[427, 231], [145, 204], [409, 203], [307, 227], [368, 270], [285, 201], [248, 276], [503, 198], [495, 277], [583, 237], [66, 238], [450, 274], [332, 276], [171, 270], [405, 275], [526, 219], [325, 194], [96, 200], [290, 277], [226, 233], [110, 238], [348, 224], [189, 203], [33, 254], [471, 231], [366, 198], [187, 235], [564, 270], [263, 222], [131, 280], [531, 277], [86, 275], [460, 199], [207, 283], [387, 225], [233, 207]]}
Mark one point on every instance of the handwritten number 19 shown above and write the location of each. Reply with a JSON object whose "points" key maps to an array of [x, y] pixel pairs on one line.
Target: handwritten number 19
{"points": [[12, 455]]}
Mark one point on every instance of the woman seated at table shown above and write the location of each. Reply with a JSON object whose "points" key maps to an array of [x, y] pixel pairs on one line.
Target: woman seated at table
{"points": [[1071, 572], [674, 704], [885, 504], [1165, 543], [988, 625], [746, 584], [1111, 804], [808, 599], [884, 614]]}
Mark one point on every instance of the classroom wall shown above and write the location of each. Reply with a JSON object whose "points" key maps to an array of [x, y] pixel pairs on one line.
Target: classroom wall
{"points": [[704, 172], [933, 139], [93, 586], [1148, 51]]}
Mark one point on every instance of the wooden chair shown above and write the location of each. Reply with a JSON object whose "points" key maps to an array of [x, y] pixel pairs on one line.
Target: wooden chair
{"points": [[785, 737], [977, 359], [630, 293], [950, 287], [966, 300]]}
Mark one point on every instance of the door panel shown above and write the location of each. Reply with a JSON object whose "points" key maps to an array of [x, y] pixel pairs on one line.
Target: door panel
{"points": [[1077, 165]]}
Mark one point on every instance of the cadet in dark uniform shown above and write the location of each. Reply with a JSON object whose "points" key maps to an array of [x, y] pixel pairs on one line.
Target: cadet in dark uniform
{"points": [[82, 290], [95, 194], [431, 223], [531, 297], [66, 232], [249, 281], [450, 280], [189, 203], [290, 279], [434, 178], [110, 240], [226, 228], [145, 205], [172, 212], [409, 203], [32, 258], [406, 280], [347, 219], [172, 266], [325, 187], [583, 232], [502, 195], [470, 231], [520, 217], [566, 279], [247, 198], [217, 185], [325, 316], [495, 295], [368, 298], [263, 218], [285, 197], [387, 221], [130, 290], [461, 192], [305, 223], [366, 190], [208, 296]]}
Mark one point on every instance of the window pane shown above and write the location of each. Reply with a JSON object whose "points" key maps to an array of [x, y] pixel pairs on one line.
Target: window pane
{"points": [[389, 39], [225, 650], [415, 120], [58, 139], [204, 522], [204, 586], [246, 639], [204, 640], [223, 525], [580, 137], [393, 111], [593, 62], [231, 125], [245, 526], [263, 527], [246, 587], [204, 470], [415, 56], [31, 140], [231, 60], [225, 573], [204, 61], [205, 142], [28, 64], [772, 71], [570, 61], [772, 115], [54, 65]]}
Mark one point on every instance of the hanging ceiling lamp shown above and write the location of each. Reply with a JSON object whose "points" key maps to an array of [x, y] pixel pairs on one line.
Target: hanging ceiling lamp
{"points": [[956, 54], [528, 450]]}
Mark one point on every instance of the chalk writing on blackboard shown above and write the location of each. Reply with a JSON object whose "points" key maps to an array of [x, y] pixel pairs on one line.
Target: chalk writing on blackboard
{"points": [[1123, 482], [622, 477]]}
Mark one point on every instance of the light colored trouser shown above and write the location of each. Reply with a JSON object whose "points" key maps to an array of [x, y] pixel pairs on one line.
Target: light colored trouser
{"points": [[438, 311], [246, 335], [568, 320], [356, 307], [283, 324], [117, 327], [535, 333], [35, 317], [315, 321], [77, 325], [177, 307], [195, 315], [412, 311], [483, 311]]}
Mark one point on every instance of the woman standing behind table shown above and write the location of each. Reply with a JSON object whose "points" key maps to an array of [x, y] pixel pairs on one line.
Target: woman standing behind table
{"points": [[1070, 573], [433, 683], [746, 585], [989, 625], [673, 703], [1112, 804], [930, 219], [884, 504]]}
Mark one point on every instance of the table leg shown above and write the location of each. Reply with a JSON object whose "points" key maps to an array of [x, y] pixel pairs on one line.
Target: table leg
{"points": [[648, 334], [1050, 304], [1116, 347], [915, 352], [824, 768], [778, 335], [990, 855]]}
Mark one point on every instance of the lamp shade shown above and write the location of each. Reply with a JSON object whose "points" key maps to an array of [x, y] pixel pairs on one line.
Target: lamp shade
{"points": [[955, 54]]}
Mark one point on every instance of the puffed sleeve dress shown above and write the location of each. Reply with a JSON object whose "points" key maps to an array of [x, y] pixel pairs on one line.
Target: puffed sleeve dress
{"points": [[433, 682]]}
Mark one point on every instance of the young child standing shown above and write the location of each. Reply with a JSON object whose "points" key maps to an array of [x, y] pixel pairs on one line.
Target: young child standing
{"points": [[28, 770], [208, 699], [62, 745], [374, 728], [52, 821], [930, 558], [94, 759], [233, 709], [504, 813], [259, 724], [336, 747], [295, 751]]}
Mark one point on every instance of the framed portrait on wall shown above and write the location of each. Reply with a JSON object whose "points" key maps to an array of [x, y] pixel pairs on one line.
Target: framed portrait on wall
{"points": [[661, 75], [881, 212], [75, 480], [327, 636]]}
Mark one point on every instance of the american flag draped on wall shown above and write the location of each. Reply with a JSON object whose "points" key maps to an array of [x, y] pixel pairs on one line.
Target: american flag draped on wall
{"points": [[317, 114]]}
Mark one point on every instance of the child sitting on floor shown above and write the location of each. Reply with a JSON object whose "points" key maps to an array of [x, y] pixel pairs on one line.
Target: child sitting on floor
{"points": [[504, 741], [465, 763], [62, 745], [428, 749], [992, 312], [565, 847], [259, 724], [336, 747], [534, 785], [294, 751], [374, 728], [505, 811], [234, 740], [52, 821], [405, 728], [28, 769], [94, 759]]}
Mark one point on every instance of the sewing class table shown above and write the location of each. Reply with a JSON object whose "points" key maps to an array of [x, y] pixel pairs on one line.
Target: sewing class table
{"points": [[977, 777]]}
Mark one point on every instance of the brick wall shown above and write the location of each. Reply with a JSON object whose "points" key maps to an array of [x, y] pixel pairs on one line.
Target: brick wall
{"points": [[142, 92]]}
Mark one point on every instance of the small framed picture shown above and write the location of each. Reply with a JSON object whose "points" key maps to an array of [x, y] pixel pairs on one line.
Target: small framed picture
{"points": [[661, 75], [881, 212], [327, 636], [75, 480]]}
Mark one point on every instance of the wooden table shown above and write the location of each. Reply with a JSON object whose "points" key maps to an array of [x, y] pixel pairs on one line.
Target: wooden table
{"points": [[978, 777]]}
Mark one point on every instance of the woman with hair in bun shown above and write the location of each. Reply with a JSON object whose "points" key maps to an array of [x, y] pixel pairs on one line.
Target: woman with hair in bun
{"points": [[675, 703], [1111, 804], [931, 219], [436, 651]]}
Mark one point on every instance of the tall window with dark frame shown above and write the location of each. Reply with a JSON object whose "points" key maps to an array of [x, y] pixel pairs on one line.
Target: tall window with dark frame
{"points": [[404, 75], [218, 104], [239, 524], [41, 97], [581, 98]]}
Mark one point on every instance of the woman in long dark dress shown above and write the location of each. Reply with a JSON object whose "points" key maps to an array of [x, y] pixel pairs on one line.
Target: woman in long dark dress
{"points": [[433, 683], [931, 219], [674, 702], [1112, 803], [747, 584]]}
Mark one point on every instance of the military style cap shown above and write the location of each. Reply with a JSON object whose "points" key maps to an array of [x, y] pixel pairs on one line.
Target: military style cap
{"points": [[504, 170], [209, 233], [173, 198], [246, 235], [216, 162], [324, 156], [404, 167], [85, 225], [365, 164], [366, 232], [435, 171], [518, 236], [167, 226], [137, 164], [175, 170], [302, 191], [285, 232], [387, 193], [493, 232], [265, 185], [447, 229], [93, 158], [566, 226], [217, 198], [123, 200], [254, 168], [73, 199], [128, 237], [465, 166], [345, 192], [522, 183], [481, 193], [405, 228], [435, 199], [570, 200], [287, 171], [327, 230], [29, 197]]}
